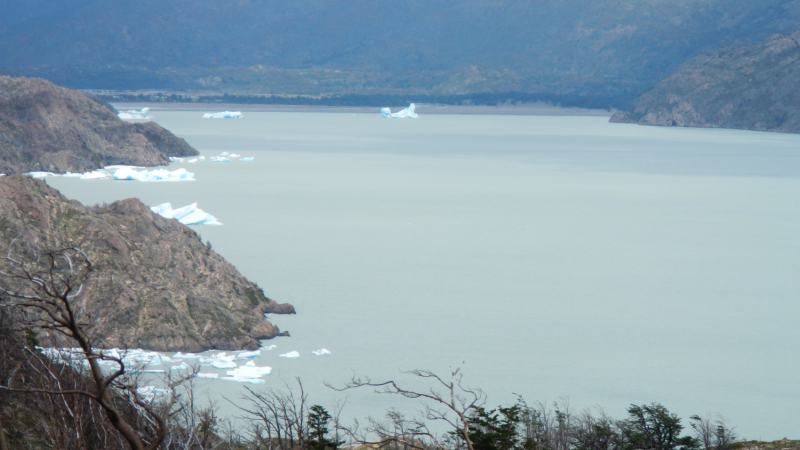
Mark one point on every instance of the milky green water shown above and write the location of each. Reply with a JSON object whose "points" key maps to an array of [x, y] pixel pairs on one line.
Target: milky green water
{"points": [[555, 256]]}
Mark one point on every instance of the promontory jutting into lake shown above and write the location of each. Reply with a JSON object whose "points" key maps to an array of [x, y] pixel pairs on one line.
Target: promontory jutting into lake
{"points": [[556, 257]]}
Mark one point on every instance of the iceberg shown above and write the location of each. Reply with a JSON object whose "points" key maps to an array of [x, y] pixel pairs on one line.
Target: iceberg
{"points": [[248, 355], [206, 375], [130, 174], [40, 175], [223, 364], [134, 114], [248, 158], [193, 160], [248, 373], [407, 113], [149, 392], [187, 215], [223, 115], [291, 354], [219, 159], [94, 175], [322, 351], [180, 355]]}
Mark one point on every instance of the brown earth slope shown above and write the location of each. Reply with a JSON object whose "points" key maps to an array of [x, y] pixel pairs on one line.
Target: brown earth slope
{"points": [[752, 88], [155, 285], [44, 127]]}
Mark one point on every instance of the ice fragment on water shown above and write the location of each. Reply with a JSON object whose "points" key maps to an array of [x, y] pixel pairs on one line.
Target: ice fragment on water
{"points": [[223, 115], [322, 351], [291, 354], [187, 215], [407, 113], [130, 174]]}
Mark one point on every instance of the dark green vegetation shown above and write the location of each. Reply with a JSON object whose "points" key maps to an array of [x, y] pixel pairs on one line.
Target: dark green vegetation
{"points": [[752, 88], [583, 48], [155, 285], [48, 128]]}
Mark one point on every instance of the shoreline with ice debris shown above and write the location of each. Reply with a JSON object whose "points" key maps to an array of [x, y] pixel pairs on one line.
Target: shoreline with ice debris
{"points": [[237, 366], [527, 109]]}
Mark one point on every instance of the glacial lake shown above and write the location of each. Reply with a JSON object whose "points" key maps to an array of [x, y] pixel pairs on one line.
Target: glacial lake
{"points": [[555, 257]]}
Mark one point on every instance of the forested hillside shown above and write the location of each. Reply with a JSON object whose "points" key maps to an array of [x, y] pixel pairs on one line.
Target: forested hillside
{"points": [[616, 49]]}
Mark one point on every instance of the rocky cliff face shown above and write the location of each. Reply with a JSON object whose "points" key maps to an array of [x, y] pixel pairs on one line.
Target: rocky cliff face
{"points": [[155, 284], [752, 88], [48, 128]]}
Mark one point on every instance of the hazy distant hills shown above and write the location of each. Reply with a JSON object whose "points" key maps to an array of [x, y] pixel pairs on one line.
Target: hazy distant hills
{"points": [[615, 49], [755, 87]]}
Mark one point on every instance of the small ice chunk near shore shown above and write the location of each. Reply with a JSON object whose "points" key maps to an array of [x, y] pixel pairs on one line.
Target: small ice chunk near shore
{"points": [[130, 174], [248, 355], [322, 351], [291, 354], [206, 375], [223, 115], [187, 215], [223, 364], [248, 373]]}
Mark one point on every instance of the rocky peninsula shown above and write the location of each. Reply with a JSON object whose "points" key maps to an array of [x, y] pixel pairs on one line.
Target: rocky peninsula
{"points": [[44, 127], [155, 285], [750, 88]]}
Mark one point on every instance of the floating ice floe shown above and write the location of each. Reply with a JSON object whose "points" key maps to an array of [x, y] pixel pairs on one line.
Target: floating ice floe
{"points": [[291, 354], [219, 159], [322, 351], [130, 174], [248, 355], [149, 392], [187, 215], [206, 375], [134, 114], [181, 366], [193, 160], [175, 159], [201, 158], [223, 115], [180, 355], [248, 158], [248, 373], [407, 113], [223, 364], [269, 347], [94, 175], [40, 175]]}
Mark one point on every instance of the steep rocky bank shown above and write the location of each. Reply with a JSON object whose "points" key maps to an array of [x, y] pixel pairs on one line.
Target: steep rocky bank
{"points": [[48, 128], [155, 284], [751, 88]]}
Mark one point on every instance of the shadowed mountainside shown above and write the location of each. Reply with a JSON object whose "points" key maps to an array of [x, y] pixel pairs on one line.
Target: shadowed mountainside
{"points": [[155, 284], [613, 49], [49, 128], [754, 88]]}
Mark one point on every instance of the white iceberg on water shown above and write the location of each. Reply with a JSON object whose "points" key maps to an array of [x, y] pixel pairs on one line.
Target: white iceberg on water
{"points": [[187, 215], [248, 373], [223, 115], [291, 354], [322, 351], [407, 113], [130, 174], [134, 114], [206, 375]]}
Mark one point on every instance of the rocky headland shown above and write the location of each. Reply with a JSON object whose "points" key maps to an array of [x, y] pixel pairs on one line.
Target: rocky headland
{"points": [[750, 88], [155, 285], [44, 127]]}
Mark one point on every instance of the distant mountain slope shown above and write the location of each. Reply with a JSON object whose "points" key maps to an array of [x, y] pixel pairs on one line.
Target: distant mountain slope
{"points": [[754, 88], [550, 46], [155, 286], [46, 127]]}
